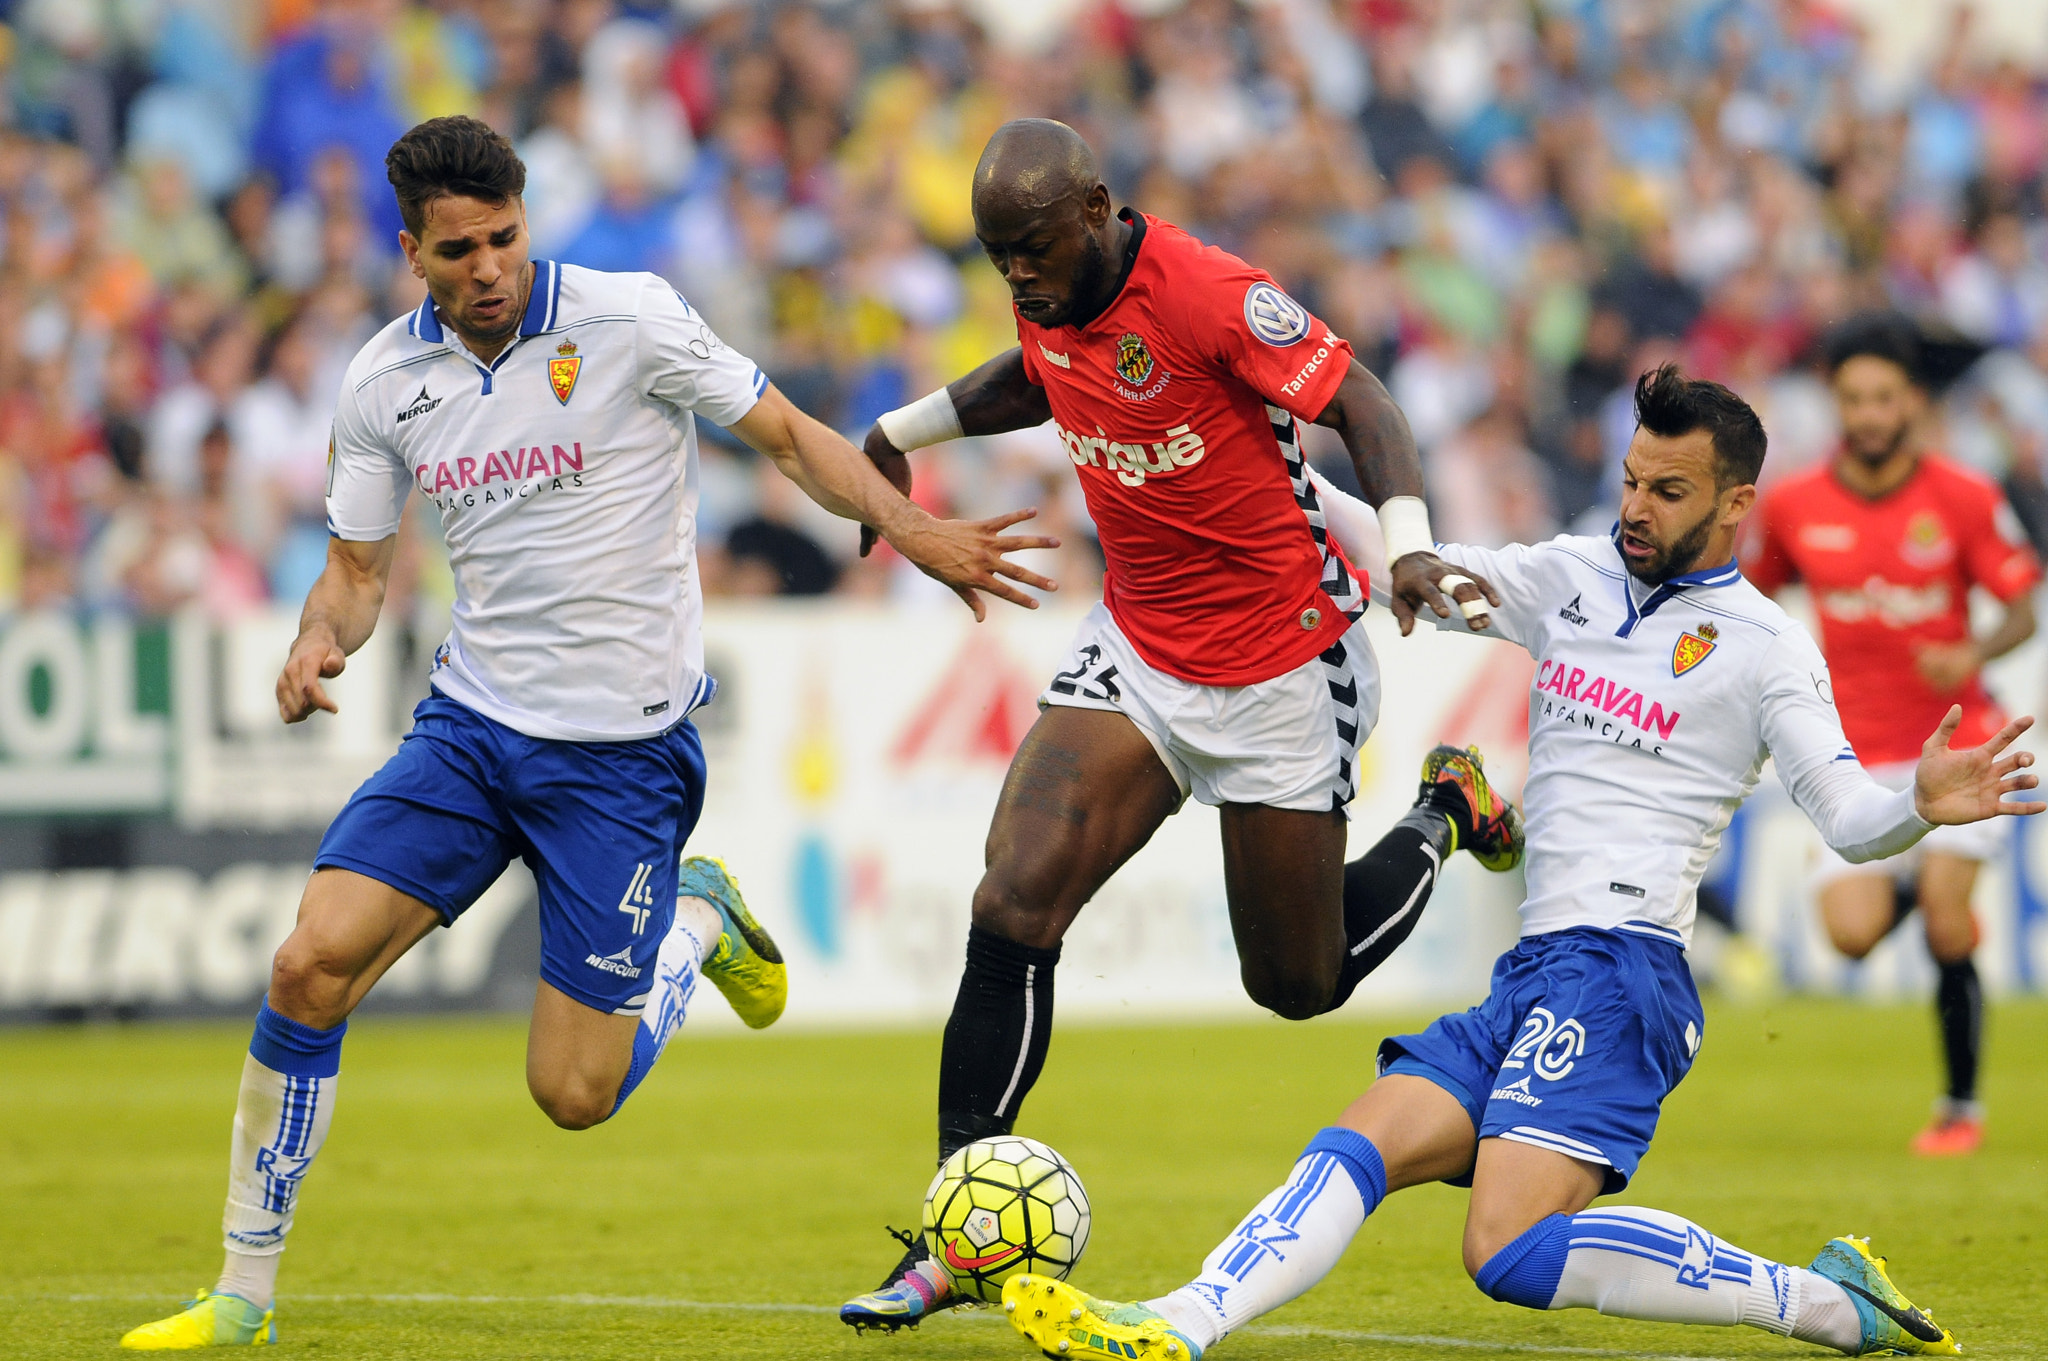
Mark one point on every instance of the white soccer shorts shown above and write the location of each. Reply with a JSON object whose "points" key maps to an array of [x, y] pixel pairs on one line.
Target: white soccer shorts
{"points": [[1288, 742], [1976, 841]]}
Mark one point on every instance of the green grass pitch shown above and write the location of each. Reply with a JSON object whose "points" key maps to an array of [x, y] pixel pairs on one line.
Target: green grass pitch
{"points": [[742, 1193]]}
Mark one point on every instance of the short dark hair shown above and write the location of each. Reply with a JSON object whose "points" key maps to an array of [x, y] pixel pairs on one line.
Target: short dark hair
{"points": [[457, 155], [1670, 404], [1890, 336]]}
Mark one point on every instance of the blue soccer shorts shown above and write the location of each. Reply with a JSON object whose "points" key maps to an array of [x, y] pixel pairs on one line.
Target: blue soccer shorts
{"points": [[1581, 1037], [600, 824]]}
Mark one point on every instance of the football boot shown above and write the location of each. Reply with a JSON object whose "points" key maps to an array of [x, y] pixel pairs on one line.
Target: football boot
{"points": [[744, 964], [1487, 825], [210, 1320], [1892, 1324], [918, 1286], [1063, 1323]]}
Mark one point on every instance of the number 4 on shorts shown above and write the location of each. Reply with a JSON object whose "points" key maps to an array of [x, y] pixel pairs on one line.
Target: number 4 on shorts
{"points": [[639, 899]]}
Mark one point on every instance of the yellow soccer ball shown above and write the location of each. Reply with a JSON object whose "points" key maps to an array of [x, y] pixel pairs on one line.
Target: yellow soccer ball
{"points": [[1003, 1206]]}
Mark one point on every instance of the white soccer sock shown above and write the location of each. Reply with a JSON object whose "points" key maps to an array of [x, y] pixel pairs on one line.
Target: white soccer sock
{"points": [[678, 965], [1649, 1264], [280, 1123], [1286, 1244]]}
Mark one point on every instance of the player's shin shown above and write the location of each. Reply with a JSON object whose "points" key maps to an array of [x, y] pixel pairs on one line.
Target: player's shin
{"points": [[281, 1117], [1289, 1241], [677, 966], [1386, 890], [1647, 1264], [1959, 1007], [996, 1038]]}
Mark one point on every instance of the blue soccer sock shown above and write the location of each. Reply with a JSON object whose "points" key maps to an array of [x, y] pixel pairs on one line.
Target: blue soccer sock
{"points": [[1647, 1264], [1289, 1241], [281, 1116], [677, 967]]}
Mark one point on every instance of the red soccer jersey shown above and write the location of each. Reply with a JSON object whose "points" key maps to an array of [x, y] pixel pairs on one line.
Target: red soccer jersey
{"points": [[1888, 576], [1178, 407]]}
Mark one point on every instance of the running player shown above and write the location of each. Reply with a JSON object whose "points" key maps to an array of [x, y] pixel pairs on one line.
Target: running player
{"points": [[549, 412], [1889, 538], [1225, 660], [1663, 681]]}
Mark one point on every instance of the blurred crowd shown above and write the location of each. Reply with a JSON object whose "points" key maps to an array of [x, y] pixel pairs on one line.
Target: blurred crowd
{"points": [[1510, 207]]}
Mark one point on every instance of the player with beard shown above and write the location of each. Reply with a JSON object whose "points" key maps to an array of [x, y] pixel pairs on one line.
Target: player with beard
{"points": [[1663, 682], [1890, 538], [1226, 659]]}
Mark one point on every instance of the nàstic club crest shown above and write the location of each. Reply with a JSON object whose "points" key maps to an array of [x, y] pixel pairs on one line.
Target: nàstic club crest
{"points": [[1692, 648], [563, 370], [1133, 360]]}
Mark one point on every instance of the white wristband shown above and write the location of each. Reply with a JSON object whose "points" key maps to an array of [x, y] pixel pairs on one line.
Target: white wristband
{"points": [[931, 419], [1404, 525]]}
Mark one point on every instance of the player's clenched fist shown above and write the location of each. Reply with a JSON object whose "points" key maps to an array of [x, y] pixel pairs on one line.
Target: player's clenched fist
{"points": [[315, 656], [1422, 580]]}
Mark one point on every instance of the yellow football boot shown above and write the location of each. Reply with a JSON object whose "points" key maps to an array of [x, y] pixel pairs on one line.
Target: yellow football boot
{"points": [[744, 964], [209, 1321], [1063, 1323], [1892, 1324], [1487, 825]]}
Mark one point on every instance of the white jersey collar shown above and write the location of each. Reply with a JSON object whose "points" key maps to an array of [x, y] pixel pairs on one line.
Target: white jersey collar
{"points": [[543, 308]]}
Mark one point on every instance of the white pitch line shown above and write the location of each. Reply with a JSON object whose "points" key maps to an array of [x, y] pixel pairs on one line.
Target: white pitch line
{"points": [[1280, 1330]]}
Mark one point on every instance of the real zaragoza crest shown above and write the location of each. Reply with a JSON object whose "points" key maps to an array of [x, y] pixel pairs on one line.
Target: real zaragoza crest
{"points": [[562, 371], [1692, 648], [1133, 360]]}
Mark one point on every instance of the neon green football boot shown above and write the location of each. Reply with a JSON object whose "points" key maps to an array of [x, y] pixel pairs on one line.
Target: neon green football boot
{"points": [[209, 1321], [1892, 1324], [1063, 1323], [744, 964]]}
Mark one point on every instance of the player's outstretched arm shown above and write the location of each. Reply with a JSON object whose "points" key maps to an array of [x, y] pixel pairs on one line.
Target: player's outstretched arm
{"points": [[996, 397], [1383, 453], [340, 612], [967, 555], [1970, 785]]}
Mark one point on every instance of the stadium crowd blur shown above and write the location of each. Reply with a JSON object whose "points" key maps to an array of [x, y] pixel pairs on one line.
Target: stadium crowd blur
{"points": [[1509, 208]]}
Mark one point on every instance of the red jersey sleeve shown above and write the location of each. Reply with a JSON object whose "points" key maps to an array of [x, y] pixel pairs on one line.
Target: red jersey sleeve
{"points": [[1025, 345], [1996, 554], [1244, 323], [1764, 559]]}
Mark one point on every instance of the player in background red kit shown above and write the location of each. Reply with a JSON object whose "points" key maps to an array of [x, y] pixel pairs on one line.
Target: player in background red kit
{"points": [[1889, 539], [1225, 660]]}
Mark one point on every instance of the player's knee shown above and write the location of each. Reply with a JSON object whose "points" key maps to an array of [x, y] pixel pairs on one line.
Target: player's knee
{"points": [[1294, 995], [308, 984], [1950, 942], [1851, 941], [1520, 1267], [1020, 905], [574, 1105]]}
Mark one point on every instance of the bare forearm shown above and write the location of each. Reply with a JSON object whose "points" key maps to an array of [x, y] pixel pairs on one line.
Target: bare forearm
{"points": [[2014, 629], [347, 598], [1376, 435], [998, 397], [838, 476]]}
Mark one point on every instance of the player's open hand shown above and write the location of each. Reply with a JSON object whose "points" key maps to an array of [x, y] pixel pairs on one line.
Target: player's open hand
{"points": [[1420, 581], [315, 656], [968, 555], [1970, 785], [893, 464]]}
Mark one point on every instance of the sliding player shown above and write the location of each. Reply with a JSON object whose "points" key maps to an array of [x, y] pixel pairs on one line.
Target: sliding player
{"points": [[1225, 659], [1663, 682], [1890, 539], [549, 412]]}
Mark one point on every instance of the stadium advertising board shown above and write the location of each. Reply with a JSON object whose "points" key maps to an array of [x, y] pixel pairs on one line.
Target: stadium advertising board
{"points": [[157, 822]]}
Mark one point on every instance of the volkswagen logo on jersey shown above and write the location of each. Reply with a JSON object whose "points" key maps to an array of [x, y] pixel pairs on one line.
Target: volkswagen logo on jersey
{"points": [[1273, 316], [1133, 360]]}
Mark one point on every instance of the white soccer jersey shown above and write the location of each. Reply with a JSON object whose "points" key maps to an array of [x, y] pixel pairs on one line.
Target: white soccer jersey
{"points": [[566, 477], [1651, 714]]}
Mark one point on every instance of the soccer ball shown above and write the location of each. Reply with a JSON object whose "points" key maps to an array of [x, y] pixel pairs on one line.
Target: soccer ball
{"points": [[1002, 1206]]}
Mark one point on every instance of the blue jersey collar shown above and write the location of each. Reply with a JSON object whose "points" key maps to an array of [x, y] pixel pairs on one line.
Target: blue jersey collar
{"points": [[543, 307], [1727, 574]]}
